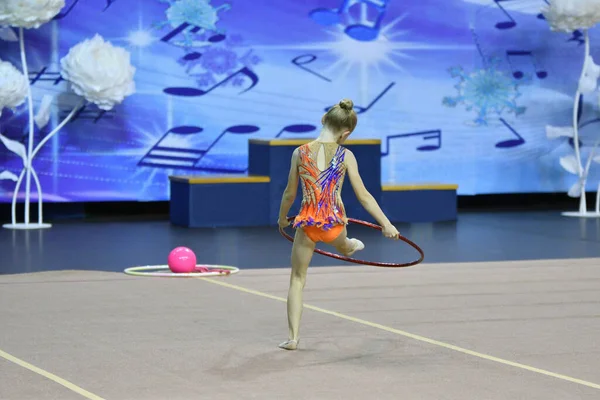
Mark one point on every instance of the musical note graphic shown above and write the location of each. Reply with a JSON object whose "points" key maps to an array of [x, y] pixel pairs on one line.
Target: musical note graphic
{"points": [[363, 31], [187, 28], [301, 64], [581, 125], [328, 16], [360, 110], [296, 129], [44, 76], [518, 74], [368, 31], [577, 37], [194, 92], [435, 134], [109, 3], [572, 143], [173, 149], [193, 56], [510, 143], [87, 114], [66, 10], [175, 155], [511, 23], [180, 29], [192, 59], [484, 59], [540, 15]]}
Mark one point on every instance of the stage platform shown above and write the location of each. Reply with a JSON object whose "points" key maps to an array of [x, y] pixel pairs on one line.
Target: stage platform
{"points": [[253, 199]]}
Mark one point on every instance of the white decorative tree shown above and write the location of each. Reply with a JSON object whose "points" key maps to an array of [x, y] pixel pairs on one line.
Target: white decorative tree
{"points": [[569, 163], [568, 16], [96, 70]]}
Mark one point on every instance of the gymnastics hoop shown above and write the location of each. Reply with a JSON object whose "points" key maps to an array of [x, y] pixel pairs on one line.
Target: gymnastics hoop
{"points": [[363, 262], [163, 271]]}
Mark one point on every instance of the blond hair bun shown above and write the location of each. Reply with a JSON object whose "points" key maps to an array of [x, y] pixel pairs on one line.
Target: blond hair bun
{"points": [[341, 117], [346, 104]]}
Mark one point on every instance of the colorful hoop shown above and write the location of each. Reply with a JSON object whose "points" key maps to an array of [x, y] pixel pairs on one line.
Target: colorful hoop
{"points": [[363, 262], [164, 271]]}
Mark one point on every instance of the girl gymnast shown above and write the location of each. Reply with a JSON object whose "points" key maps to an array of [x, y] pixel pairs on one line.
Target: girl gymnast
{"points": [[321, 166]]}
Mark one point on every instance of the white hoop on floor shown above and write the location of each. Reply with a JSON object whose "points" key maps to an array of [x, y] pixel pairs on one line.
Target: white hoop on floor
{"points": [[164, 271]]}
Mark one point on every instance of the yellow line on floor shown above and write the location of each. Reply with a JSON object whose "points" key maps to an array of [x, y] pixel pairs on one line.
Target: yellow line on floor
{"points": [[411, 335], [50, 376]]}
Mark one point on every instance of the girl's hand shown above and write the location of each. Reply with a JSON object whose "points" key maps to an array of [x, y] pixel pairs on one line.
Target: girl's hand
{"points": [[283, 222], [390, 231]]}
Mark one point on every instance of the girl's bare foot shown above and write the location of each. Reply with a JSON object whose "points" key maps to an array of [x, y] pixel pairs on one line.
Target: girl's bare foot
{"points": [[289, 345], [357, 245]]}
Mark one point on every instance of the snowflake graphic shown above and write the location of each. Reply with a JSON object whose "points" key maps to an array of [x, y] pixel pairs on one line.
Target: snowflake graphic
{"points": [[219, 61], [196, 13], [488, 91], [205, 79], [210, 55]]}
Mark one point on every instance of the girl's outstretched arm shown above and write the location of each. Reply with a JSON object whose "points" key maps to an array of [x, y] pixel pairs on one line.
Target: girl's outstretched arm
{"points": [[366, 199], [289, 194]]}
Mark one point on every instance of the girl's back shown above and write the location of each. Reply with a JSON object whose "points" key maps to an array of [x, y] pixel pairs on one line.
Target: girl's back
{"points": [[321, 169]]}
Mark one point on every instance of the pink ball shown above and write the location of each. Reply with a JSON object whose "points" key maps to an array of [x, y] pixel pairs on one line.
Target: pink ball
{"points": [[182, 260]]}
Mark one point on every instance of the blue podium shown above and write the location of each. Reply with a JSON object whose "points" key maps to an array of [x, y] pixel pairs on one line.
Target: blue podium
{"points": [[223, 201], [419, 202]]}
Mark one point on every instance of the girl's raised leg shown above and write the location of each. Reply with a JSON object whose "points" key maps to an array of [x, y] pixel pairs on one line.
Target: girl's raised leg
{"points": [[346, 246]]}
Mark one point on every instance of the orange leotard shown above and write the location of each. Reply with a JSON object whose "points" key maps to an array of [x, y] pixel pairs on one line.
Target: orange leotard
{"points": [[322, 215]]}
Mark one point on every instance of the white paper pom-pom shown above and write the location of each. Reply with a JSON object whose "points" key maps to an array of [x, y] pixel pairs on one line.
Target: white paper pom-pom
{"points": [[13, 86], [571, 15], [99, 71], [28, 13]]}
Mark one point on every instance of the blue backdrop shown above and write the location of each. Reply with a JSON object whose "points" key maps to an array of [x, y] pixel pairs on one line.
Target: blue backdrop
{"points": [[459, 93]]}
